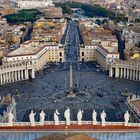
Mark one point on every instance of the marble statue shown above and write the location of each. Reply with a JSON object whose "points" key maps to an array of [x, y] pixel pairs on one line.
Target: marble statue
{"points": [[42, 117], [94, 117], [79, 116], [67, 116], [10, 118], [32, 118], [56, 117], [126, 118], [103, 117]]}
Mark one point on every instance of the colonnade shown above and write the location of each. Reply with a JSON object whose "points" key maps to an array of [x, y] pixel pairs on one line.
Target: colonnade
{"points": [[13, 73], [125, 69]]}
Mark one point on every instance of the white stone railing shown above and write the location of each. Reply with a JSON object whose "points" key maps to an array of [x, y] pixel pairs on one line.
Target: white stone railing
{"points": [[72, 122], [130, 64]]}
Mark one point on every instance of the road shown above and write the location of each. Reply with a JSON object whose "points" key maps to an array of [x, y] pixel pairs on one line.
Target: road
{"points": [[72, 42], [121, 44]]}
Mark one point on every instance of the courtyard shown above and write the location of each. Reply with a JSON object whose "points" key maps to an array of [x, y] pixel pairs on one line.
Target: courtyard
{"points": [[92, 86]]}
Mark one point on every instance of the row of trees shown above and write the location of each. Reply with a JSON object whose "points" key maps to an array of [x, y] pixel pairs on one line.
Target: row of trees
{"points": [[23, 16], [91, 10]]}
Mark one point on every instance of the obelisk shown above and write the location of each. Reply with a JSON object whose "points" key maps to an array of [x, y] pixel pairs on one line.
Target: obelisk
{"points": [[71, 81]]}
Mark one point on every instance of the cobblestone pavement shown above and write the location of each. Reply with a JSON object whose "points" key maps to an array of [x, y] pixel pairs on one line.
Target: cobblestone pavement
{"points": [[48, 92]]}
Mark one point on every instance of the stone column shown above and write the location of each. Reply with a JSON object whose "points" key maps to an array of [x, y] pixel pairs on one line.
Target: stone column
{"points": [[18, 74], [3, 75], [6, 77], [110, 72], [116, 72], [22, 75], [134, 74], [139, 75], [124, 73], [12, 76], [1, 82], [128, 74], [9, 77], [33, 73], [15, 73], [26, 74], [121, 73]]}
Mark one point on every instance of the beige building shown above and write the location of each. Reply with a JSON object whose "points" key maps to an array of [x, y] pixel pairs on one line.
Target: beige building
{"points": [[99, 54], [99, 45], [87, 53], [53, 12], [37, 53], [44, 47], [32, 55]]}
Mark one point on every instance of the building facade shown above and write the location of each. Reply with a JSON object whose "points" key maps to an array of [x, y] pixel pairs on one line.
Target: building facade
{"points": [[16, 72], [36, 53], [30, 4], [125, 69], [99, 54]]}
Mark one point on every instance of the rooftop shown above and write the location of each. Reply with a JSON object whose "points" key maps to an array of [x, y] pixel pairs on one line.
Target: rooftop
{"points": [[136, 104], [26, 48], [31, 48]]}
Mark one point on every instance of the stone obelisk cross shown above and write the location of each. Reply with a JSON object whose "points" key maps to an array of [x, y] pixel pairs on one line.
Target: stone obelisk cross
{"points": [[71, 81]]}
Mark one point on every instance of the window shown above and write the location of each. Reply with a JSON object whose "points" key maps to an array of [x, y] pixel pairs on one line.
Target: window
{"points": [[60, 54], [82, 53]]}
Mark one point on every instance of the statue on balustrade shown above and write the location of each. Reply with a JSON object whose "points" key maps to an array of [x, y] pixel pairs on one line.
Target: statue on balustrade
{"points": [[94, 117], [42, 117], [10, 118], [103, 117], [67, 116], [126, 118], [80, 116], [32, 118], [56, 117]]}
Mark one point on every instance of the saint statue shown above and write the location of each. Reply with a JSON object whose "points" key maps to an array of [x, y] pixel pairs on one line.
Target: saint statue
{"points": [[126, 118], [32, 118], [79, 116], [103, 116], [10, 118], [56, 117], [94, 117], [42, 117], [67, 116]]}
